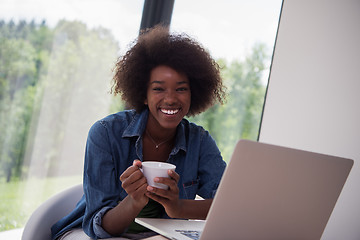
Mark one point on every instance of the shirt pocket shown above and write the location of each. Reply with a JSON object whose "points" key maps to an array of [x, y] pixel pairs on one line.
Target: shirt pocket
{"points": [[190, 189]]}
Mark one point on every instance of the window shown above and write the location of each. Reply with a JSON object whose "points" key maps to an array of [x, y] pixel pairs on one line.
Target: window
{"points": [[56, 60]]}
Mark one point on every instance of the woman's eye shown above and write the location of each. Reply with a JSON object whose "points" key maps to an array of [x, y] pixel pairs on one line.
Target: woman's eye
{"points": [[181, 89], [157, 89]]}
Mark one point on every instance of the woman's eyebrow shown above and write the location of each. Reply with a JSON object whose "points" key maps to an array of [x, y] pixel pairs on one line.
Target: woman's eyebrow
{"points": [[161, 82], [156, 81], [182, 82]]}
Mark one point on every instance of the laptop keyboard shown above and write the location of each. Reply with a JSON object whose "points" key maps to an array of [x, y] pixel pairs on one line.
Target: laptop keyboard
{"points": [[190, 233]]}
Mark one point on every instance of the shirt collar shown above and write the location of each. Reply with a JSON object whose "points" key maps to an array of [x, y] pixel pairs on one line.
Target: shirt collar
{"points": [[138, 124]]}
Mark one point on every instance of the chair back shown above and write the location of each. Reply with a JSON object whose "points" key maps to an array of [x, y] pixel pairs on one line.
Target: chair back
{"points": [[48, 213]]}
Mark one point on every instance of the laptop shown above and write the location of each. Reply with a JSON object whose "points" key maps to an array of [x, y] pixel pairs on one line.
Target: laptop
{"points": [[266, 192]]}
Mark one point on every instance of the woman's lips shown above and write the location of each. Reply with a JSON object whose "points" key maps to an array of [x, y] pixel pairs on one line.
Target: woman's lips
{"points": [[169, 111]]}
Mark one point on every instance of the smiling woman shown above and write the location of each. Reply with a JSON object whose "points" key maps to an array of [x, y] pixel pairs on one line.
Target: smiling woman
{"points": [[174, 71], [55, 70]]}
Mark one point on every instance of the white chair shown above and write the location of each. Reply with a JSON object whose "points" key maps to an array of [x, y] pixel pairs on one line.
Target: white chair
{"points": [[39, 224]]}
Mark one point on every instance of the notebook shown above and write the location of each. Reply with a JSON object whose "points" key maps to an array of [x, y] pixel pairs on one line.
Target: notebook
{"points": [[267, 192]]}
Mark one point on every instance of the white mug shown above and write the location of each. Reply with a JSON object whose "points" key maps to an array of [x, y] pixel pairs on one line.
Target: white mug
{"points": [[153, 169]]}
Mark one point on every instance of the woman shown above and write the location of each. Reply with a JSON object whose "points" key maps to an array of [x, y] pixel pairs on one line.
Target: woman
{"points": [[163, 77]]}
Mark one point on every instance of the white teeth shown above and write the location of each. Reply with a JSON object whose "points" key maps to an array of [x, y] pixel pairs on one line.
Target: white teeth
{"points": [[170, 112]]}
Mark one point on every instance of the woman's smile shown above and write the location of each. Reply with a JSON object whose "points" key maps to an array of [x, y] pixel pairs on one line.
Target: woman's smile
{"points": [[169, 111]]}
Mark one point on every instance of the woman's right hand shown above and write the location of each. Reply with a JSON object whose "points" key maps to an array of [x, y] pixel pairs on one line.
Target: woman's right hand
{"points": [[134, 183]]}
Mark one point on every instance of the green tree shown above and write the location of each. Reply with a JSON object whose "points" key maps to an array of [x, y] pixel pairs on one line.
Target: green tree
{"points": [[53, 72], [73, 88], [240, 117], [21, 62], [17, 67]]}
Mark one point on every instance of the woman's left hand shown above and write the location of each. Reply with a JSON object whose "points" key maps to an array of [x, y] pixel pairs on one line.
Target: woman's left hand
{"points": [[169, 199]]}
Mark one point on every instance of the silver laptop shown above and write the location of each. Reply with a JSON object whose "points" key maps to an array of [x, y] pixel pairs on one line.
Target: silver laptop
{"points": [[267, 192]]}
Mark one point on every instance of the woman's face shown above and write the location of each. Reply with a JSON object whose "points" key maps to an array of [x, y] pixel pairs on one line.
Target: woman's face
{"points": [[168, 97]]}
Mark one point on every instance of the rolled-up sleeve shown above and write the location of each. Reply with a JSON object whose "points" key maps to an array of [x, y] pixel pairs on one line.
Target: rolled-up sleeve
{"points": [[97, 227]]}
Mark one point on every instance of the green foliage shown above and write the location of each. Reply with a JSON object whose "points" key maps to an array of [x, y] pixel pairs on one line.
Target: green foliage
{"points": [[17, 81], [38, 63], [80, 63], [239, 117]]}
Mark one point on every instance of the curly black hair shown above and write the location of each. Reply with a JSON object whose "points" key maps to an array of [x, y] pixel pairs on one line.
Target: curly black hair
{"points": [[178, 51]]}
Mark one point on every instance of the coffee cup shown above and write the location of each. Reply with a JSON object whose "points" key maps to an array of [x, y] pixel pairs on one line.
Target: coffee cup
{"points": [[153, 169]]}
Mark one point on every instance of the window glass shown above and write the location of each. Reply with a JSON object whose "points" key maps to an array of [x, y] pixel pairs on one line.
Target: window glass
{"points": [[240, 35], [56, 60]]}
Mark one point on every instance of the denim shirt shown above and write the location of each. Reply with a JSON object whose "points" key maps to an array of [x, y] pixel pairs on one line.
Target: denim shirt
{"points": [[114, 143]]}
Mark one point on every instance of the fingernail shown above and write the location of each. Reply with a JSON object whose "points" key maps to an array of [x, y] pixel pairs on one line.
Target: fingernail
{"points": [[150, 188], [156, 179]]}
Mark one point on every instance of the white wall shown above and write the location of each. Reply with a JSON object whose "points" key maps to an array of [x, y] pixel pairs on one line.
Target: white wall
{"points": [[314, 93]]}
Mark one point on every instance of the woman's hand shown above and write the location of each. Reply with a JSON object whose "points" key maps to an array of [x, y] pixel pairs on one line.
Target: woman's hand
{"points": [[134, 183], [169, 199], [116, 220]]}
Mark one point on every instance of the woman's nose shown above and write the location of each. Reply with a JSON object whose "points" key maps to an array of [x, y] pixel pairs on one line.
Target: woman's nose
{"points": [[170, 97]]}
